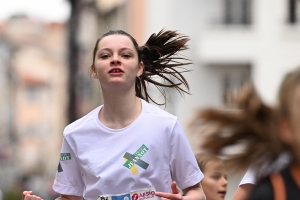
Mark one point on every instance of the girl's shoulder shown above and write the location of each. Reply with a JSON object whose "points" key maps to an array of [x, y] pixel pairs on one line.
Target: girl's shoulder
{"points": [[156, 111], [83, 121]]}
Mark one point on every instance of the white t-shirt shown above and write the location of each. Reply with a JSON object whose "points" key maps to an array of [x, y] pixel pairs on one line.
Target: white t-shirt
{"points": [[151, 152], [251, 176]]}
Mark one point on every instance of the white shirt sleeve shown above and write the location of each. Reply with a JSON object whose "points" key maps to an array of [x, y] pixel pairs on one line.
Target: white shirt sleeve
{"points": [[249, 177], [184, 168], [265, 170], [68, 179]]}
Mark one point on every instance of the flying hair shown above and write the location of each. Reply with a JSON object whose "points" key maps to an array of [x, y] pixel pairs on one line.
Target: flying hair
{"points": [[162, 59], [241, 134]]}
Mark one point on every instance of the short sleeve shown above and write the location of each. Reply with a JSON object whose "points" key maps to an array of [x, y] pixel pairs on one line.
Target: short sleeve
{"points": [[249, 177], [68, 179], [252, 176], [184, 168]]}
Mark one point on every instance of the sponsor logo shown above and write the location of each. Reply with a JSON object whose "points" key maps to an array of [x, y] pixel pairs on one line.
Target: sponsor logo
{"points": [[59, 168], [135, 159], [121, 197], [146, 195], [65, 156], [103, 198], [135, 196], [143, 195]]}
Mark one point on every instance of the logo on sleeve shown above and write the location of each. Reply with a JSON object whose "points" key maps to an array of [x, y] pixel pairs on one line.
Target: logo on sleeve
{"points": [[135, 159], [65, 156], [59, 168]]}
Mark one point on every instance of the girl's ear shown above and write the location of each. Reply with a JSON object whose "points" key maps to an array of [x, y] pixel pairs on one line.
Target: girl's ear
{"points": [[285, 132], [94, 73], [141, 69]]}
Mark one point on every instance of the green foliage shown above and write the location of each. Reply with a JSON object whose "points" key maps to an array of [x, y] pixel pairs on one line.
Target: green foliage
{"points": [[12, 195]]}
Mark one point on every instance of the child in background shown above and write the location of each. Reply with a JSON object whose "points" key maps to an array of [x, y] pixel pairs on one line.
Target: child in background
{"points": [[214, 183], [260, 129]]}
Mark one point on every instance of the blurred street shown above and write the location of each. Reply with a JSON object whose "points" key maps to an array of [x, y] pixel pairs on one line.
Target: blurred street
{"points": [[45, 80]]}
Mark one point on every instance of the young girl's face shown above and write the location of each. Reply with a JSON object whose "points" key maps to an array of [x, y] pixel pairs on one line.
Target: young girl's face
{"points": [[214, 182], [116, 63]]}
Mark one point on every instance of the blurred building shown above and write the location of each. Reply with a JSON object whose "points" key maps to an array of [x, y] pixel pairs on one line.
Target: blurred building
{"points": [[6, 134], [33, 62], [34, 58], [232, 41]]}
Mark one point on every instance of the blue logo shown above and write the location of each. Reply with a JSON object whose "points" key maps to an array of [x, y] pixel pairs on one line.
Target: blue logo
{"points": [[121, 197]]}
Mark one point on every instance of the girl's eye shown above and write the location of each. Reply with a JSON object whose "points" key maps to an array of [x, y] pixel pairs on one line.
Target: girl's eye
{"points": [[215, 177], [126, 55], [104, 56]]}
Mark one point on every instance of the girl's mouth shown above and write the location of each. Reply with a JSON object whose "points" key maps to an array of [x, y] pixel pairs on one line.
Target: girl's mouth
{"points": [[115, 70], [223, 193]]}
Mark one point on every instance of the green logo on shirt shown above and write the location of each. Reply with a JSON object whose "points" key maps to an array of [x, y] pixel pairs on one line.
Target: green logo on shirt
{"points": [[135, 159], [65, 156]]}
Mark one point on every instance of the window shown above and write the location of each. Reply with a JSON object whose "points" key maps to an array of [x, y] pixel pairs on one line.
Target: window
{"points": [[294, 11], [228, 79], [231, 84], [238, 11]]}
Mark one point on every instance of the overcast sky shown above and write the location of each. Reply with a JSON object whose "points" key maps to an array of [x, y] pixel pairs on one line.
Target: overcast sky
{"points": [[47, 10]]}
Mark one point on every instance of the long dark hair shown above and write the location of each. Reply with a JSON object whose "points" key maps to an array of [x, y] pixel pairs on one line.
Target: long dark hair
{"points": [[250, 127], [161, 58]]}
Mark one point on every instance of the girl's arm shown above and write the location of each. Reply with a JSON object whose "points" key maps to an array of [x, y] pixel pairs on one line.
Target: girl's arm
{"points": [[68, 197], [243, 192], [191, 193]]}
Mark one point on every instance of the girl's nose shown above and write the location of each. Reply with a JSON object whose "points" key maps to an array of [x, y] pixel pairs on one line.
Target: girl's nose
{"points": [[115, 60], [225, 182]]}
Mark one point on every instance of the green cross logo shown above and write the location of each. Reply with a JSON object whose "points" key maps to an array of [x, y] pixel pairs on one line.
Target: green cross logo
{"points": [[135, 159]]}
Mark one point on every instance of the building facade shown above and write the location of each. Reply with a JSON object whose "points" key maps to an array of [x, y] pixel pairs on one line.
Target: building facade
{"points": [[232, 41]]}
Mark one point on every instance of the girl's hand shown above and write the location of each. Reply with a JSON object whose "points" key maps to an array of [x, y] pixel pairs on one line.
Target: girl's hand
{"points": [[27, 195], [175, 195]]}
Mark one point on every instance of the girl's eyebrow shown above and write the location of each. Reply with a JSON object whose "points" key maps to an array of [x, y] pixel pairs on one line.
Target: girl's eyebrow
{"points": [[122, 49], [126, 48], [105, 49]]}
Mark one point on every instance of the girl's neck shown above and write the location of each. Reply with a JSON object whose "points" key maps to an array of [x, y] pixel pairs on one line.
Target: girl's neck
{"points": [[119, 110]]}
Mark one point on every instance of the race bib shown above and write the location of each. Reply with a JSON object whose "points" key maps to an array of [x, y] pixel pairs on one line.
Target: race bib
{"points": [[145, 194]]}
